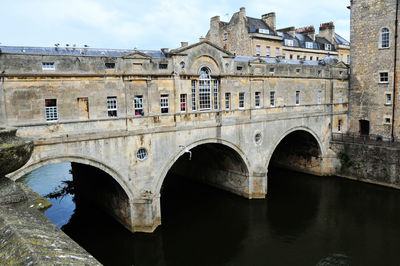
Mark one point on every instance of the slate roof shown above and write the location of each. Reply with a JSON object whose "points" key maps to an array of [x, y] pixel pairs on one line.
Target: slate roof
{"points": [[256, 23], [76, 51], [340, 40], [271, 60]]}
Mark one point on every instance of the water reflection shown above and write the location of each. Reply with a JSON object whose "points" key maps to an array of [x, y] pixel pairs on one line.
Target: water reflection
{"points": [[305, 220]]}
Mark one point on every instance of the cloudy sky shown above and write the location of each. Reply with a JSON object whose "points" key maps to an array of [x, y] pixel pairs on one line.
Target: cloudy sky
{"points": [[150, 24]]}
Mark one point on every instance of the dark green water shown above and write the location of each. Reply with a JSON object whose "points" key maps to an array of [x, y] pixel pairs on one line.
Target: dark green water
{"points": [[305, 220]]}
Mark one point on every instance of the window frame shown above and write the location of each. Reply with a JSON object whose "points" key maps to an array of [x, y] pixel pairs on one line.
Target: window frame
{"points": [[384, 38], [257, 99], [48, 66], [297, 98], [309, 45], [227, 100], [112, 106], [183, 102], [51, 111], [138, 105], [164, 103], [258, 50], [268, 51], [382, 79], [272, 99], [388, 98], [241, 100]]}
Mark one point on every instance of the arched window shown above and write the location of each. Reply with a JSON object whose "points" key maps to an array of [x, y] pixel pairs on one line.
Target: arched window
{"points": [[385, 38], [205, 89]]}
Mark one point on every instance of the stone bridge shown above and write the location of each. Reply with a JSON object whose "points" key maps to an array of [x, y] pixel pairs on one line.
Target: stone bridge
{"points": [[228, 146]]}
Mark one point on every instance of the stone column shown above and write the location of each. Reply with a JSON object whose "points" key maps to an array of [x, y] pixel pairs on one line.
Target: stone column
{"points": [[258, 184], [146, 213]]}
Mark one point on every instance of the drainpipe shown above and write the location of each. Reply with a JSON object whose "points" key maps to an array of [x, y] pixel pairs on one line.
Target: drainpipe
{"points": [[3, 118], [395, 70]]}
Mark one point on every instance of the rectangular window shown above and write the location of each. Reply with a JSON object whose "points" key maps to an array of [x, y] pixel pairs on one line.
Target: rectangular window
{"points": [[258, 50], [268, 51], [241, 100], [297, 70], [340, 97], [297, 97], [183, 100], [339, 125], [162, 66], [257, 98], [298, 57], [48, 66], [319, 97], [311, 58], [51, 110], [288, 42], [384, 77], [205, 94], [112, 106], [387, 120], [239, 68], [225, 36], [309, 45], [328, 47], [341, 58], [109, 65], [216, 94], [193, 95], [271, 70], [164, 103], [272, 98], [277, 51], [388, 98], [291, 57], [227, 100], [139, 105], [317, 59]]}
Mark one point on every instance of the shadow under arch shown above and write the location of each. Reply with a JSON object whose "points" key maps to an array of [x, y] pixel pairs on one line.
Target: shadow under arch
{"points": [[299, 149], [94, 181], [234, 178], [73, 159]]}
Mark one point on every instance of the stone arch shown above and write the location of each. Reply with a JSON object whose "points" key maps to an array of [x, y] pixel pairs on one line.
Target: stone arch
{"points": [[31, 166], [156, 187], [206, 61], [322, 152]]}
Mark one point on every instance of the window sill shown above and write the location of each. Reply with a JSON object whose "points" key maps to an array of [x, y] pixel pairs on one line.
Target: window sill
{"points": [[383, 82]]}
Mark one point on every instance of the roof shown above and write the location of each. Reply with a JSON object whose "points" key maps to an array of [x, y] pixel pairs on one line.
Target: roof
{"points": [[256, 23], [340, 40], [76, 51], [271, 60]]}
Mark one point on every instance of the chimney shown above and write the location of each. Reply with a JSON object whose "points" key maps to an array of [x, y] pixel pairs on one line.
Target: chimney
{"points": [[327, 30], [184, 44], [270, 19], [290, 30], [164, 50], [202, 39], [242, 12], [309, 31]]}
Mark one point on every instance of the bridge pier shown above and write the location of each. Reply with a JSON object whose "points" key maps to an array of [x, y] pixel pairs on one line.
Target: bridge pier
{"points": [[146, 214]]}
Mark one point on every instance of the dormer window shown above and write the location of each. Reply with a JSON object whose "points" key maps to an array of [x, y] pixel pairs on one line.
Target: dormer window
{"points": [[309, 45], [48, 66], [289, 42], [328, 47], [109, 65], [264, 31]]}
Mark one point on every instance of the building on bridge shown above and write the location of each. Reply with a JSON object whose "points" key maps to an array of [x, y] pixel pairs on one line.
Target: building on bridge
{"points": [[136, 115], [247, 36]]}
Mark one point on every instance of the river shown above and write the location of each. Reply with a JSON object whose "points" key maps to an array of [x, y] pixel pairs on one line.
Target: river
{"points": [[305, 220]]}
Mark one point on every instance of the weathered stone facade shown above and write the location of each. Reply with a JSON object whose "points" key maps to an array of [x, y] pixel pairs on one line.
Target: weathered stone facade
{"points": [[373, 82], [247, 36], [165, 104]]}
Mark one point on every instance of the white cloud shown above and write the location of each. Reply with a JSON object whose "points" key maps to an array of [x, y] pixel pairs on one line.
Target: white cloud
{"points": [[150, 24]]}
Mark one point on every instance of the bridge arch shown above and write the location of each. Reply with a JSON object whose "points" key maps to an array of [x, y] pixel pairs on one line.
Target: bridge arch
{"points": [[233, 150], [31, 166], [301, 133]]}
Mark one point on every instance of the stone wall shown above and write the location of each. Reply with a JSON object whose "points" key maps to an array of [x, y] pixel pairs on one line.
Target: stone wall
{"points": [[369, 163], [368, 59]]}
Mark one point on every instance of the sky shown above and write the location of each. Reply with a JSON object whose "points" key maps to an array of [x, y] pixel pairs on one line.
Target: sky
{"points": [[149, 24]]}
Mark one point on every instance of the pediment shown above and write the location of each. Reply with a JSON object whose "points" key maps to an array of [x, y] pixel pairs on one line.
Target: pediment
{"points": [[186, 49], [137, 55], [257, 61], [342, 65]]}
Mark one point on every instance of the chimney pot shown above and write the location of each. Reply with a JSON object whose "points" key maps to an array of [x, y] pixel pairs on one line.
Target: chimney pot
{"points": [[184, 44]]}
